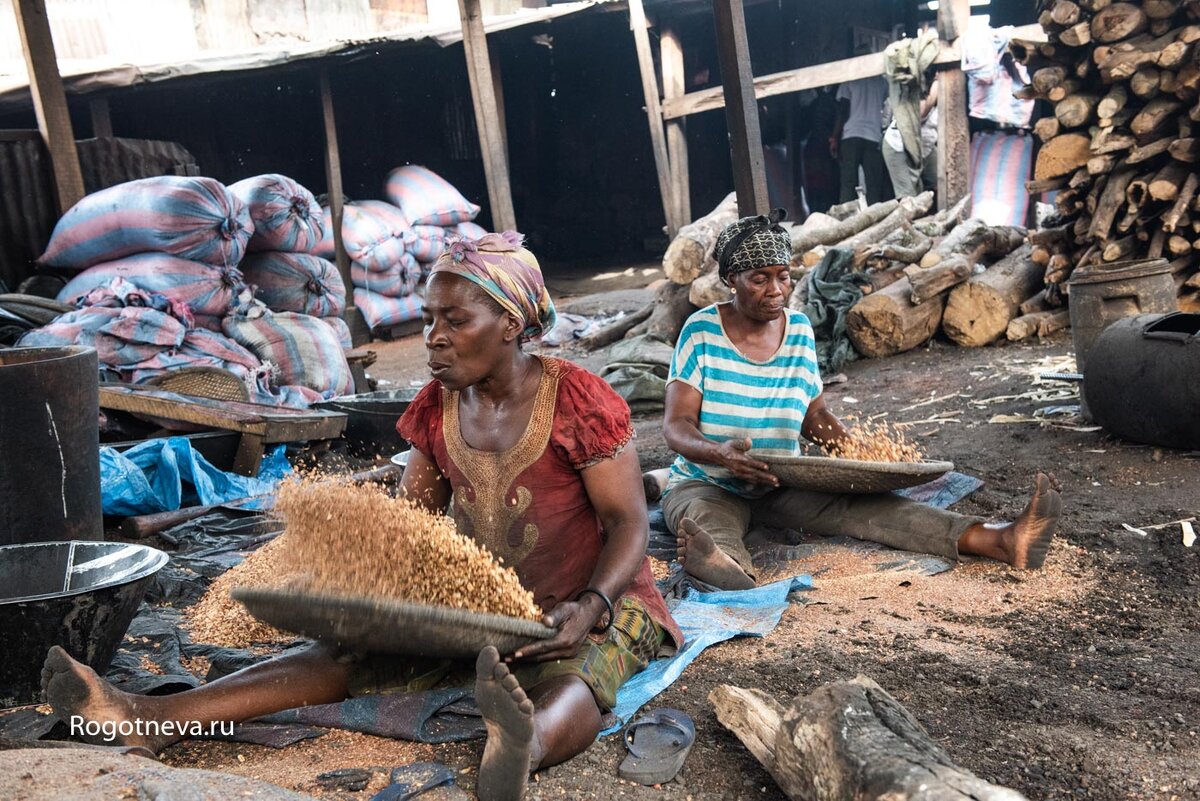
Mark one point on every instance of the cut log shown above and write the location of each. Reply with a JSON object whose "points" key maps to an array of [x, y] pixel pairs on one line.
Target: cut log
{"points": [[1040, 324], [1110, 140], [843, 210], [1185, 149], [884, 278], [1118, 21], [1059, 268], [861, 242], [802, 243], [1047, 184], [1160, 9], [847, 740], [1158, 243], [1119, 249], [1062, 155], [928, 282], [976, 236], [886, 322], [978, 312], [1110, 203], [670, 310], [1046, 128], [1065, 12], [1178, 245], [1187, 192], [1077, 110], [1047, 78], [1064, 90], [1146, 152], [708, 289], [910, 250], [1145, 82], [616, 329], [1166, 184], [1101, 165], [1155, 116], [1136, 194], [1114, 101], [1077, 35], [688, 253], [1037, 303], [1081, 178], [944, 221]]}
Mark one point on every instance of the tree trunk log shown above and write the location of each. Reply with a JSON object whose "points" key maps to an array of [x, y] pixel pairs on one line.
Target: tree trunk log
{"points": [[1040, 324], [1037, 303], [977, 237], [1171, 218], [1114, 101], [928, 282], [1118, 21], [1062, 155], [1156, 114], [1166, 184], [687, 254], [1077, 110], [944, 221], [804, 242], [1110, 203], [671, 308], [978, 312], [708, 289], [616, 329], [886, 322], [1148, 151], [847, 741], [1077, 35], [1145, 82], [1046, 128]]}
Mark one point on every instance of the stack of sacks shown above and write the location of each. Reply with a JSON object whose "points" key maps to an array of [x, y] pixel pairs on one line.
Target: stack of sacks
{"points": [[435, 209], [181, 237], [281, 266], [385, 274]]}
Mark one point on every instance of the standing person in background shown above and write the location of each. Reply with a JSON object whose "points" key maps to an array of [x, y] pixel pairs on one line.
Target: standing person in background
{"points": [[909, 179], [857, 134]]}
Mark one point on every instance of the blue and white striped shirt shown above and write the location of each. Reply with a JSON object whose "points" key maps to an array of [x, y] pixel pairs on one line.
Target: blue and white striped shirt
{"points": [[765, 401]]}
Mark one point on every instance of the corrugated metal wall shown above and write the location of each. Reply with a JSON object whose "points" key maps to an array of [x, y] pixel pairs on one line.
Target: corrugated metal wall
{"points": [[27, 208]]}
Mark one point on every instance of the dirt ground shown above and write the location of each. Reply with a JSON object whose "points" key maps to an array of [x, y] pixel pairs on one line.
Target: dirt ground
{"points": [[1078, 681]]}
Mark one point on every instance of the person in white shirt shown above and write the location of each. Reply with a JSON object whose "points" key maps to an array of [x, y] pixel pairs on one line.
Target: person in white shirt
{"points": [[857, 134]]}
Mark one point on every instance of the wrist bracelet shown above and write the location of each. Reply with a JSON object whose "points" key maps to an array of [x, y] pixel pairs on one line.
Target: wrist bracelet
{"points": [[608, 605]]}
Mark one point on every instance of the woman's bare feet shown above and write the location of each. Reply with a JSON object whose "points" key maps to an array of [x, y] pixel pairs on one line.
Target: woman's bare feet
{"points": [[79, 696], [701, 558], [1024, 542], [510, 752]]}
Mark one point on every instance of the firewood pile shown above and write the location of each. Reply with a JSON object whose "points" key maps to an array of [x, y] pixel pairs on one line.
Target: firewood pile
{"points": [[1122, 145]]}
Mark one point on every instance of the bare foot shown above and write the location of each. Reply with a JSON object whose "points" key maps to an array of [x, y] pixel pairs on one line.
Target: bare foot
{"points": [[79, 696], [701, 558], [1027, 540], [508, 714]]}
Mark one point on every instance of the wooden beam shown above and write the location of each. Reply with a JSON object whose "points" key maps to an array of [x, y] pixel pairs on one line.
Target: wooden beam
{"points": [[487, 116], [954, 139], [814, 77], [333, 187], [674, 85], [498, 91], [49, 100], [658, 137], [101, 118], [741, 108]]}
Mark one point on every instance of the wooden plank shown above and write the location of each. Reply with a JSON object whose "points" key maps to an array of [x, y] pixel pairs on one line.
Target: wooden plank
{"points": [[498, 90], [273, 424], [674, 85], [658, 136], [814, 77], [487, 119], [49, 100], [741, 108], [101, 118], [954, 140]]}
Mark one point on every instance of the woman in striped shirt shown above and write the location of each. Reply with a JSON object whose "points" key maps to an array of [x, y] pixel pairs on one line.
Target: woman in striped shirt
{"points": [[744, 384]]}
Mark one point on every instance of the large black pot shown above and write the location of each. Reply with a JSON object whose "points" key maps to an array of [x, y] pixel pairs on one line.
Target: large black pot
{"points": [[371, 420], [1141, 379], [79, 595]]}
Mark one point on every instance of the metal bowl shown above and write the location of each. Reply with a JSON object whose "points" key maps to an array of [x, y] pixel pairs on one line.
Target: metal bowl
{"points": [[371, 420], [830, 474], [79, 595]]}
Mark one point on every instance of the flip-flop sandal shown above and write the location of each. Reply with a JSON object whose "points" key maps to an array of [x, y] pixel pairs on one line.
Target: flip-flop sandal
{"points": [[415, 780], [658, 743]]}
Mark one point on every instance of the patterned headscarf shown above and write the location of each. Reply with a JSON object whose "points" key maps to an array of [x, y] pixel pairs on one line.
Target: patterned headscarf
{"points": [[751, 243], [508, 273]]}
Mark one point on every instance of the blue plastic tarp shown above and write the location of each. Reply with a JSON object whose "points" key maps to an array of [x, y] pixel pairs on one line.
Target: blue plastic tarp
{"points": [[161, 475]]}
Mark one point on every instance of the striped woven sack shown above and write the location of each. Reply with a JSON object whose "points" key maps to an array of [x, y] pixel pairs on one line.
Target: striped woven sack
{"points": [[303, 350], [426, 198], [342, 329], [1000, 165], [286, 215], [192, 218], [397, 282], [296, 282], [381, 311], [430, 241], [203, 288], [470, 230], [124, 338]]}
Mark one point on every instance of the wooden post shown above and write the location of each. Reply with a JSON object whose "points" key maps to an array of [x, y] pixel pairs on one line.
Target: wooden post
{"points": [[50, 100], [333, 186], [674, 85], [498, 90], [487, 116], [741, 108], [101, 118], [954, 139], [658, 137]]}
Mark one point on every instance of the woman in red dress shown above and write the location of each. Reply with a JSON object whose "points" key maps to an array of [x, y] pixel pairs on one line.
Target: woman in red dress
{"points": [[533, 455]]}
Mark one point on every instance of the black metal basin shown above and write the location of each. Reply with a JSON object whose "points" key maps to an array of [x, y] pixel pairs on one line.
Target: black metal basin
{"points": [[79, 595], [371, 420]]}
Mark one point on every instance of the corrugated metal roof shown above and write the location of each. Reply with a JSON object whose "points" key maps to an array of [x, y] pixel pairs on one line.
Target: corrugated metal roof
{"points": [[83, 77]]}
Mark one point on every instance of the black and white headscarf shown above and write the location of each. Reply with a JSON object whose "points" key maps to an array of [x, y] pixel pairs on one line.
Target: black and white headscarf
{"points": [[751, 243]]}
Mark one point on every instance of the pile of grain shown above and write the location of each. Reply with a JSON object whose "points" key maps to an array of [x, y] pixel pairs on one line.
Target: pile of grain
{"points": [[356, 539], [876, 442], [219, 620]]}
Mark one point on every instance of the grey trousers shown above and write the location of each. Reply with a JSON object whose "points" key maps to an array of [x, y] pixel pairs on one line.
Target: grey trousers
{"points": [[886, 518], [907, 180]]}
